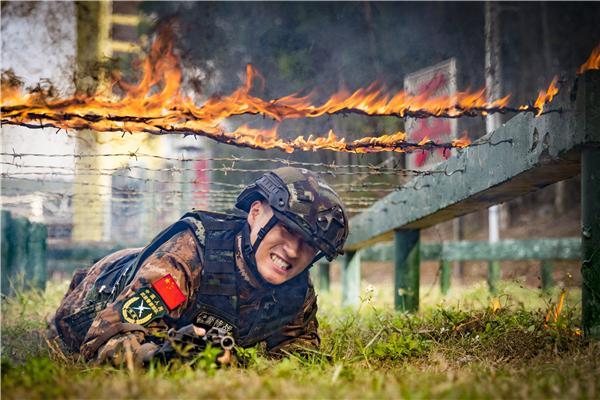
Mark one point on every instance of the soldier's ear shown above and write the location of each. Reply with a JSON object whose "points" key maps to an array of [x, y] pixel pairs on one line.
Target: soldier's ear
{"points": [[256, 208]]}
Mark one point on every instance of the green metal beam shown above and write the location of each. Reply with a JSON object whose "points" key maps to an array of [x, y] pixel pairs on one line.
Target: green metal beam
{"points": [[546, 270], [514, 250], [525, 154], [406, 266], [18, 263], [351, 279], [36, 255], [445, 276], [322, 276], [5, 270], [494, 275], [590, 234]]}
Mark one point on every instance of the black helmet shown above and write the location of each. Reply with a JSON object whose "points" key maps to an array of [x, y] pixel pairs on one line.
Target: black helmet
{"points": [[304, 203]]}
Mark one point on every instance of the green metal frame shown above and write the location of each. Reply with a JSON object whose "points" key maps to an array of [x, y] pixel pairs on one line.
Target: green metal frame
{"points": [[351, 279], [407, 271], [23, 254], [524, 155]]}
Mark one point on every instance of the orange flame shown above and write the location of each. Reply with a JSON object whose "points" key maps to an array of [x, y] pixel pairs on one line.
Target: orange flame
{"points": [[546, 97], [593, 62], [155, 105], [554, 312]]}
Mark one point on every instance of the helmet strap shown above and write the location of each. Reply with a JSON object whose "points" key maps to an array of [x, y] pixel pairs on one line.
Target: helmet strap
{"points": [[249, 249], [318, 256]]}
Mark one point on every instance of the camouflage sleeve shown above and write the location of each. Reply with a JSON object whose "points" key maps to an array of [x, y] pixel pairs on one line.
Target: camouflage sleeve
{"points": [[301, 333], [117, 327]]}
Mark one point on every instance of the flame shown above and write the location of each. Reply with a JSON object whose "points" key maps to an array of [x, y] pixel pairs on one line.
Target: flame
{"points": [[554, 312], [495, 304], [593, 62], [269, 139], [156, 105], [546, 97]]}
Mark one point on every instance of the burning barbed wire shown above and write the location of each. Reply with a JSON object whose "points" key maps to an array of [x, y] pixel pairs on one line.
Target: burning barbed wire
{"points": [[155, 105]]}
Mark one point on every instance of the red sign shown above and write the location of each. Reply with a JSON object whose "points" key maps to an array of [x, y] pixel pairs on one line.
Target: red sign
{"points": [[438, 80]]}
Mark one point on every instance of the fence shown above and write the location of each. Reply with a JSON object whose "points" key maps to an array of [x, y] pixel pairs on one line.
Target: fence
{"points": [[23, 259], [544, 250], [64, 259], [525, 154]]}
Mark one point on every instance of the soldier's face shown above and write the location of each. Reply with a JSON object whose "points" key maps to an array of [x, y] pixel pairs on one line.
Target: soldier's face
{"points": [[282, 254]]}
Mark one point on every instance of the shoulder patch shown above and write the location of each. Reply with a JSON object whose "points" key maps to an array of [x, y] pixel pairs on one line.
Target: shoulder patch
{"points": [[169, 292], [143, 307]]}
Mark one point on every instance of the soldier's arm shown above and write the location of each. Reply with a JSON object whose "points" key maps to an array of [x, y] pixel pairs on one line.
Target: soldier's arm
{"points": [[301, 333], [125, 325]]}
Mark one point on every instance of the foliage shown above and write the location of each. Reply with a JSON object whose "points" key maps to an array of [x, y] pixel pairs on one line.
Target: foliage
{"points": [[496, 350]]}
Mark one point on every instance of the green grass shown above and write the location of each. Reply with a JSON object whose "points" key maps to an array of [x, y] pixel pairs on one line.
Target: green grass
{"points": [[456, 347]]}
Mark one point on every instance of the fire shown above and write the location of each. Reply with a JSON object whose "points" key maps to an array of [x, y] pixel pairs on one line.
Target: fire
{"points": [[156, 105], [554, 312], [593, 62], [267, 139], [546, 97]]}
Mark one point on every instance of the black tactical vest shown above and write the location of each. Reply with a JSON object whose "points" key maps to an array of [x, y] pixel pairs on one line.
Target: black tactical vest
{"points": [[216, 303], [217, 299]]}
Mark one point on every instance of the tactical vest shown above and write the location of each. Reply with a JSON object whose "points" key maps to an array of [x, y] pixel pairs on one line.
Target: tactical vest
{"points": [[216, 303]]}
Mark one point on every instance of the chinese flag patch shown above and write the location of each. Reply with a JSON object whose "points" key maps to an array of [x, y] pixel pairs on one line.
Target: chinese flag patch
{"points": [[167, 289]]}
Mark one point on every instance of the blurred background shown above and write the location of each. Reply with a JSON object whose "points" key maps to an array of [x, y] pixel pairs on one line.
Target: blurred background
{"points": [[92, 195]]}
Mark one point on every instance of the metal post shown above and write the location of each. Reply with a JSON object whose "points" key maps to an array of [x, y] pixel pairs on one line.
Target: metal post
{"points": [[406, 263], [590, 243], [19, 270], [546, 269], [458, 233], [493, 276], [351, 279], [445, 276], [36, 255], [323, 276], [6, 247], [493, 85]]}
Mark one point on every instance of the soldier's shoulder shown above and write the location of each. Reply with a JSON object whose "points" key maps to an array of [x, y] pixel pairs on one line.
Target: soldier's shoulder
{"points": [[116, 255], [185, 244]]}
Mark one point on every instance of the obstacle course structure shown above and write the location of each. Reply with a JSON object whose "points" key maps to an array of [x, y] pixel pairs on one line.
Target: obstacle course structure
{"points": [[523, 155]]}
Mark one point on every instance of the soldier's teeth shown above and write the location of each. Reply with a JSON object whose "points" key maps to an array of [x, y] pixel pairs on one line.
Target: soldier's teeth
{"points": [[280, 262]]}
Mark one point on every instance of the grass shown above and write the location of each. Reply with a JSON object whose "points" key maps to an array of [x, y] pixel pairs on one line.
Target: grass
{"points": [[466, 345]]}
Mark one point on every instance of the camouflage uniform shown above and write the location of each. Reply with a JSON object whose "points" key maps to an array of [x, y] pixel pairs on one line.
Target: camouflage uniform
{"points": [[284, 316], [180, 258]]}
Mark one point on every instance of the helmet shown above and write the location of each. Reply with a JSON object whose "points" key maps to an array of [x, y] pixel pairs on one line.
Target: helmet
{"points": [[304, 203]]}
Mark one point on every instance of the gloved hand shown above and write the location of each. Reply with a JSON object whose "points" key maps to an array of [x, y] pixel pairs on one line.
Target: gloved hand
{"points": [[119, 350], [191, 339]]}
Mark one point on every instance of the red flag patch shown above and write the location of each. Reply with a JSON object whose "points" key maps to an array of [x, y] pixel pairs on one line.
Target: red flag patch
{"points": [[167, 289]]}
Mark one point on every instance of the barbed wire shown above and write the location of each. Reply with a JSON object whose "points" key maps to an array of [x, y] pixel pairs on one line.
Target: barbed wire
{"points": [[165, 196], [340, 188], [122, 208], [138, 194], [370, 144], [233, 159], [223, 169]]}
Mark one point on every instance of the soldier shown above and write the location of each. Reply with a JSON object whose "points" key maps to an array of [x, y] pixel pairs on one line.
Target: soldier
{"points": [[245, 277]]}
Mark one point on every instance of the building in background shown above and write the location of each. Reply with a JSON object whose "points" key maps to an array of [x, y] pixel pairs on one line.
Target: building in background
{"points": [[121, 199]]}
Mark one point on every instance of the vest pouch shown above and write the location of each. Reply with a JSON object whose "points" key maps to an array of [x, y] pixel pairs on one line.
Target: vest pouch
{"points": [[79, 323], [110, 280]]}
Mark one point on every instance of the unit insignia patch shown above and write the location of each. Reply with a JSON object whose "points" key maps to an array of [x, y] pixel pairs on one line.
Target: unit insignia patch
{"points": [[143, 307]]}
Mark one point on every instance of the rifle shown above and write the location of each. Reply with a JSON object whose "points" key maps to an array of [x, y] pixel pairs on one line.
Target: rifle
{"points": [[185, 342]]}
